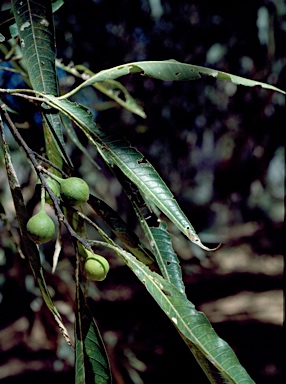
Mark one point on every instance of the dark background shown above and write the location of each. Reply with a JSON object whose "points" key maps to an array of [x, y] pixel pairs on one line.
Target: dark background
{"points": [[220, 149]]}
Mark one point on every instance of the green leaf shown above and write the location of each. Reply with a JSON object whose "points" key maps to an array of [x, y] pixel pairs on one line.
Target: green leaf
{"points": [[35, 24], [73, 136], [56, 5], [91, 362], [7, 17], [214, 355], [110, 88], [132, 163], [34, 20], [170, 70], [158, 237], [53, 153], [56, 145], [121, 230], [114, 90], [30, 249], [139, 170], [166, 258]]}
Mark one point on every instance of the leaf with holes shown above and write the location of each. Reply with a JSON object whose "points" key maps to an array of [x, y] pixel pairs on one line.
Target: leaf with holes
{"points": [[111, 88], [170, 70], [35, 25]]}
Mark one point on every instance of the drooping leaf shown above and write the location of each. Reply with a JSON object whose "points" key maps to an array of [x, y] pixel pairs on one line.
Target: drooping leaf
{"points": [[29, 247], [214, 355], [91, 361], [139, 170], [158, 236], [170, 70], [132, 163], [111, 88]]}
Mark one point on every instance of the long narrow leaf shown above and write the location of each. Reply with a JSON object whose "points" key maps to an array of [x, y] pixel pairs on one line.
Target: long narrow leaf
{"points": [[214, 354], [158, 237], [54, 124], [34, 20], [132, 163], [166, 258], [35, 25], [91, 362], [52, 151], [170, 70], [110, 88]]}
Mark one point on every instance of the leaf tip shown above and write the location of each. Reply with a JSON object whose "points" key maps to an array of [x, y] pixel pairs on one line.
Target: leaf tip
{"points": [[196, 240]]}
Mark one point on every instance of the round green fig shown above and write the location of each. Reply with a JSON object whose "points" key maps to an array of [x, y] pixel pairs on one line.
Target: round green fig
{"points": [[41, 228], [96, 266], [73, 190]]}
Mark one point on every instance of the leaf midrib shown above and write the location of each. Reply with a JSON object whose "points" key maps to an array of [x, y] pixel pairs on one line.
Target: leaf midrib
{"points": [[36, 45]]}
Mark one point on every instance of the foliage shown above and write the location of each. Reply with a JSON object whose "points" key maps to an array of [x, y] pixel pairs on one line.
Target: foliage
{"points": [[156, 265]]}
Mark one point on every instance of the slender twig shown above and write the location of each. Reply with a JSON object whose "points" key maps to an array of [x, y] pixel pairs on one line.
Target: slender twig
{"points": [[40, 170], [24, 96], [20, 92], [50, 163]]}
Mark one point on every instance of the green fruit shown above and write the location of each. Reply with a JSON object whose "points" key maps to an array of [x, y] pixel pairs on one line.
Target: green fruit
{"points": [[96, 266], [73, 190], [41, 228], [55, 189]]}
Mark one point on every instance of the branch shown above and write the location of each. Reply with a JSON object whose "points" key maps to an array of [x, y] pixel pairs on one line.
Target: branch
{"points": [[40, 170]]}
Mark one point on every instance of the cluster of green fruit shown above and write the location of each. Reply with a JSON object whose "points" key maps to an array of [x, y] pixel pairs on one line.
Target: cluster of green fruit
{"points": [[41, 228], [72, 190]]}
